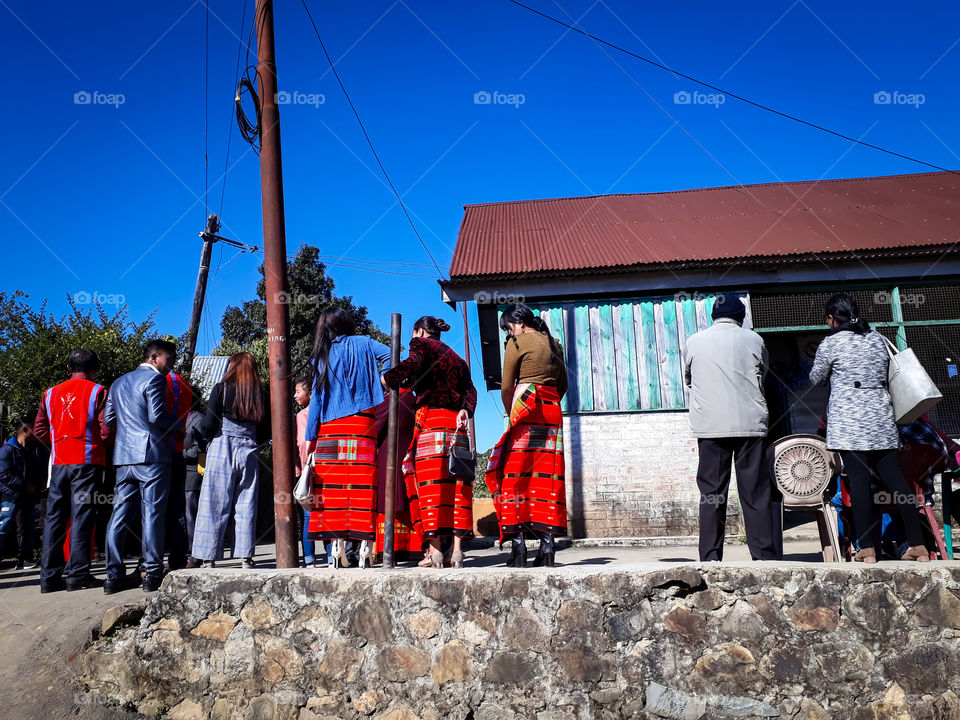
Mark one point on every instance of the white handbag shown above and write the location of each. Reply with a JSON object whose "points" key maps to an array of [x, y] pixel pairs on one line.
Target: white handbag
{"points": [[911, 389], [303, 492]]}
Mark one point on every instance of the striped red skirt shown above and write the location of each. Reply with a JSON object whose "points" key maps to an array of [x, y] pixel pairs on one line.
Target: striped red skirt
{"points": [[345, 482], [525, 473], [439, 504]]}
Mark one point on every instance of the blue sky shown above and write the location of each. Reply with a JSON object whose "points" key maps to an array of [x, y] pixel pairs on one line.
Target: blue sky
{"points": [[107, 196]]}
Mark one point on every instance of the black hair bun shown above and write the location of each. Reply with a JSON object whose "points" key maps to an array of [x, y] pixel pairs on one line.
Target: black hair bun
{"points": [[443, 325]]}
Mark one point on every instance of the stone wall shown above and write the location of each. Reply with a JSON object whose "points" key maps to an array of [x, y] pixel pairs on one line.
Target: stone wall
{"points": [[634, 475], [714, 641]]}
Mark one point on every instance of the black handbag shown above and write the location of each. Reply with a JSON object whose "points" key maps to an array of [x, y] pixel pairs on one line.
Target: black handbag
{"points": [[463, 462]]}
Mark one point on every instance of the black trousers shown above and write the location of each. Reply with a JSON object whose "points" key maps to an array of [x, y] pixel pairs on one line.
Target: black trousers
{"points": [[103, 510], [861, 468], [753, 484], [75, 491], [176, 520]]}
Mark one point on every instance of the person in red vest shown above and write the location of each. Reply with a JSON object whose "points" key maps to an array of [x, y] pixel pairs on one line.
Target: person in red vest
{"points": [[179, 403], [71, 422]]}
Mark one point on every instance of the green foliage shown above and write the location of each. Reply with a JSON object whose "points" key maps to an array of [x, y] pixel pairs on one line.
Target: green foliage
{"points": [[311, 292], [34, 346], [480, 489]]}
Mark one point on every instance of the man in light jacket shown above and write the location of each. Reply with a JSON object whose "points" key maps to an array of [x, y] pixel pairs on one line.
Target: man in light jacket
{"points": [[724, 367]]}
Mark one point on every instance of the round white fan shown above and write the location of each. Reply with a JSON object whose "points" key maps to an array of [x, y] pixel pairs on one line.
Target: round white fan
{"points": [[802, 467]]}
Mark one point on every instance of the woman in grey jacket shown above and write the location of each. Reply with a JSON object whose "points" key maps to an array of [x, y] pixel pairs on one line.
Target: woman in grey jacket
{"points": [[853, 360]]}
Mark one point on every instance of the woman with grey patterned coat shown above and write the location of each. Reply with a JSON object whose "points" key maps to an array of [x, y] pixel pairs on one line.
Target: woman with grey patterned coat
{"points": [[853, 360]]}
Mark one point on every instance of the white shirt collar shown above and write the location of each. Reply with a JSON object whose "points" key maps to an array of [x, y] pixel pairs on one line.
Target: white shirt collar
{"points": [[151, 367]]}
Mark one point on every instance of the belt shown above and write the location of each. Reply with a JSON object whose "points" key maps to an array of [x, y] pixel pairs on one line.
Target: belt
{"points": [[860, 386]]}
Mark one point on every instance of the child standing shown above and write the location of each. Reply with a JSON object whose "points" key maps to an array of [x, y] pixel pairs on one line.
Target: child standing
{"points": [[302, 396]]}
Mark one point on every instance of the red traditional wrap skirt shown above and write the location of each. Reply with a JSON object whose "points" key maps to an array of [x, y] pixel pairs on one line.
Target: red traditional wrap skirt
{"points": [[439, 504], [345, 482], [525, 473]]}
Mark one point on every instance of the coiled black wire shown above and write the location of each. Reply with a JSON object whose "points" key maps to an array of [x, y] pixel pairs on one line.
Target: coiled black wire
{"points": [[249, 130]]}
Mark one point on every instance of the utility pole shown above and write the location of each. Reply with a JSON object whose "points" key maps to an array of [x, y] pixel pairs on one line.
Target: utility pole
{"points": [[389, 490], [275, 275], [209, 236]]}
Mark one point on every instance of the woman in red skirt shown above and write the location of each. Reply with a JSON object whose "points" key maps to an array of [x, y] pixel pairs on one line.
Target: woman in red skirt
{"points": [[342, 427], [440, 505], [526, 473]]}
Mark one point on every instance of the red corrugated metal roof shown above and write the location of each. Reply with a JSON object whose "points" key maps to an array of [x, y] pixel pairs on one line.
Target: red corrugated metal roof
{"points": [[776, 219]]}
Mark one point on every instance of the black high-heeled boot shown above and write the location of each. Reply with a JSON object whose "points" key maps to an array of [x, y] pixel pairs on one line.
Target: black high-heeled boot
{"points": [[518, 552], [545, 554]]}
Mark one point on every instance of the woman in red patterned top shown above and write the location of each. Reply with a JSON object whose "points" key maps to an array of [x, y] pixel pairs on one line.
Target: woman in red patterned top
{"points": [[440, 505]]}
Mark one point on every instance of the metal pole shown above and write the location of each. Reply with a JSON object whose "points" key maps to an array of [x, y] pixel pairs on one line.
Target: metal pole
{"points": [[208, 235], [389, 519], [275, 275], [466, 348]]}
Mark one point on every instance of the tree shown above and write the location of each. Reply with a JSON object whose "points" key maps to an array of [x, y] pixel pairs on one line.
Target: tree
{"points": [[311, 292], [34, 346]]}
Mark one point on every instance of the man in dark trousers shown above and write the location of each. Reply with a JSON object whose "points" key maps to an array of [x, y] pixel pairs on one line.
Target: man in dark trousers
{"points": [[136, 407], [179, 401], [724, 367], [71, 420]]}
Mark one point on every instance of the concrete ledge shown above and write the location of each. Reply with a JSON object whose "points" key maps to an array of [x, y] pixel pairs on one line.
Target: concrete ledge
{"points": [[646, 640]]}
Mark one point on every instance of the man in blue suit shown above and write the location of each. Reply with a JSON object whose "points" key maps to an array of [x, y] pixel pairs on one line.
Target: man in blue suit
{"points": [[141, 455]]}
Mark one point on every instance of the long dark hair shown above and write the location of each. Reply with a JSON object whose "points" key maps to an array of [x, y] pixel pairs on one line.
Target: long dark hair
{"points": [[244, 380], [331, 325], [845, 311], [432, 326], [523, 315]]}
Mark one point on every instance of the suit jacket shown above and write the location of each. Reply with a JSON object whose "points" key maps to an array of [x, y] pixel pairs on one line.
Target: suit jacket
{"points": [[136, 408]]}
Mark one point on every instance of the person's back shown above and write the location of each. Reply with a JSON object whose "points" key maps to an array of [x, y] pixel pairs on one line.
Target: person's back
{"points": [[352, 372], [71, 420], [724, 367], [137, 406], [74, 429]]}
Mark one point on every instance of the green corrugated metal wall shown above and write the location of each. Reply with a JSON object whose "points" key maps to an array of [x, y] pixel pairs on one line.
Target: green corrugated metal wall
{"points": [[625, 354]]}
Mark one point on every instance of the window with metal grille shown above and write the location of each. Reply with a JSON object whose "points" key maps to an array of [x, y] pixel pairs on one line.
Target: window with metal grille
{"points": [[938, 349], [930, 303], [805, 309], [924, 318]]}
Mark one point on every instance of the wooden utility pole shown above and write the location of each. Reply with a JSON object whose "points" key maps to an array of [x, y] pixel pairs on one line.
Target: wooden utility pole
{"points": [[275, 275], [209, 236], [389, 491]]}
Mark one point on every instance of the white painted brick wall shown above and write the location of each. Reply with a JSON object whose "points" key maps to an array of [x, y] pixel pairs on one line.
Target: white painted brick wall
{"points": [[633, 475]]}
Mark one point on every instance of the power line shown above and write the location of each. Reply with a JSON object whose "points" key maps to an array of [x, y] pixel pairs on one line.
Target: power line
{"points": [[384, 272], [206, 107], [741, 98], [236, 78], [249, 129], [369, 142], [374, 262]]}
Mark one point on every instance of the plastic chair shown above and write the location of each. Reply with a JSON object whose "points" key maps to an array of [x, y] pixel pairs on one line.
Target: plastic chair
{"points": [[803, 468]]}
